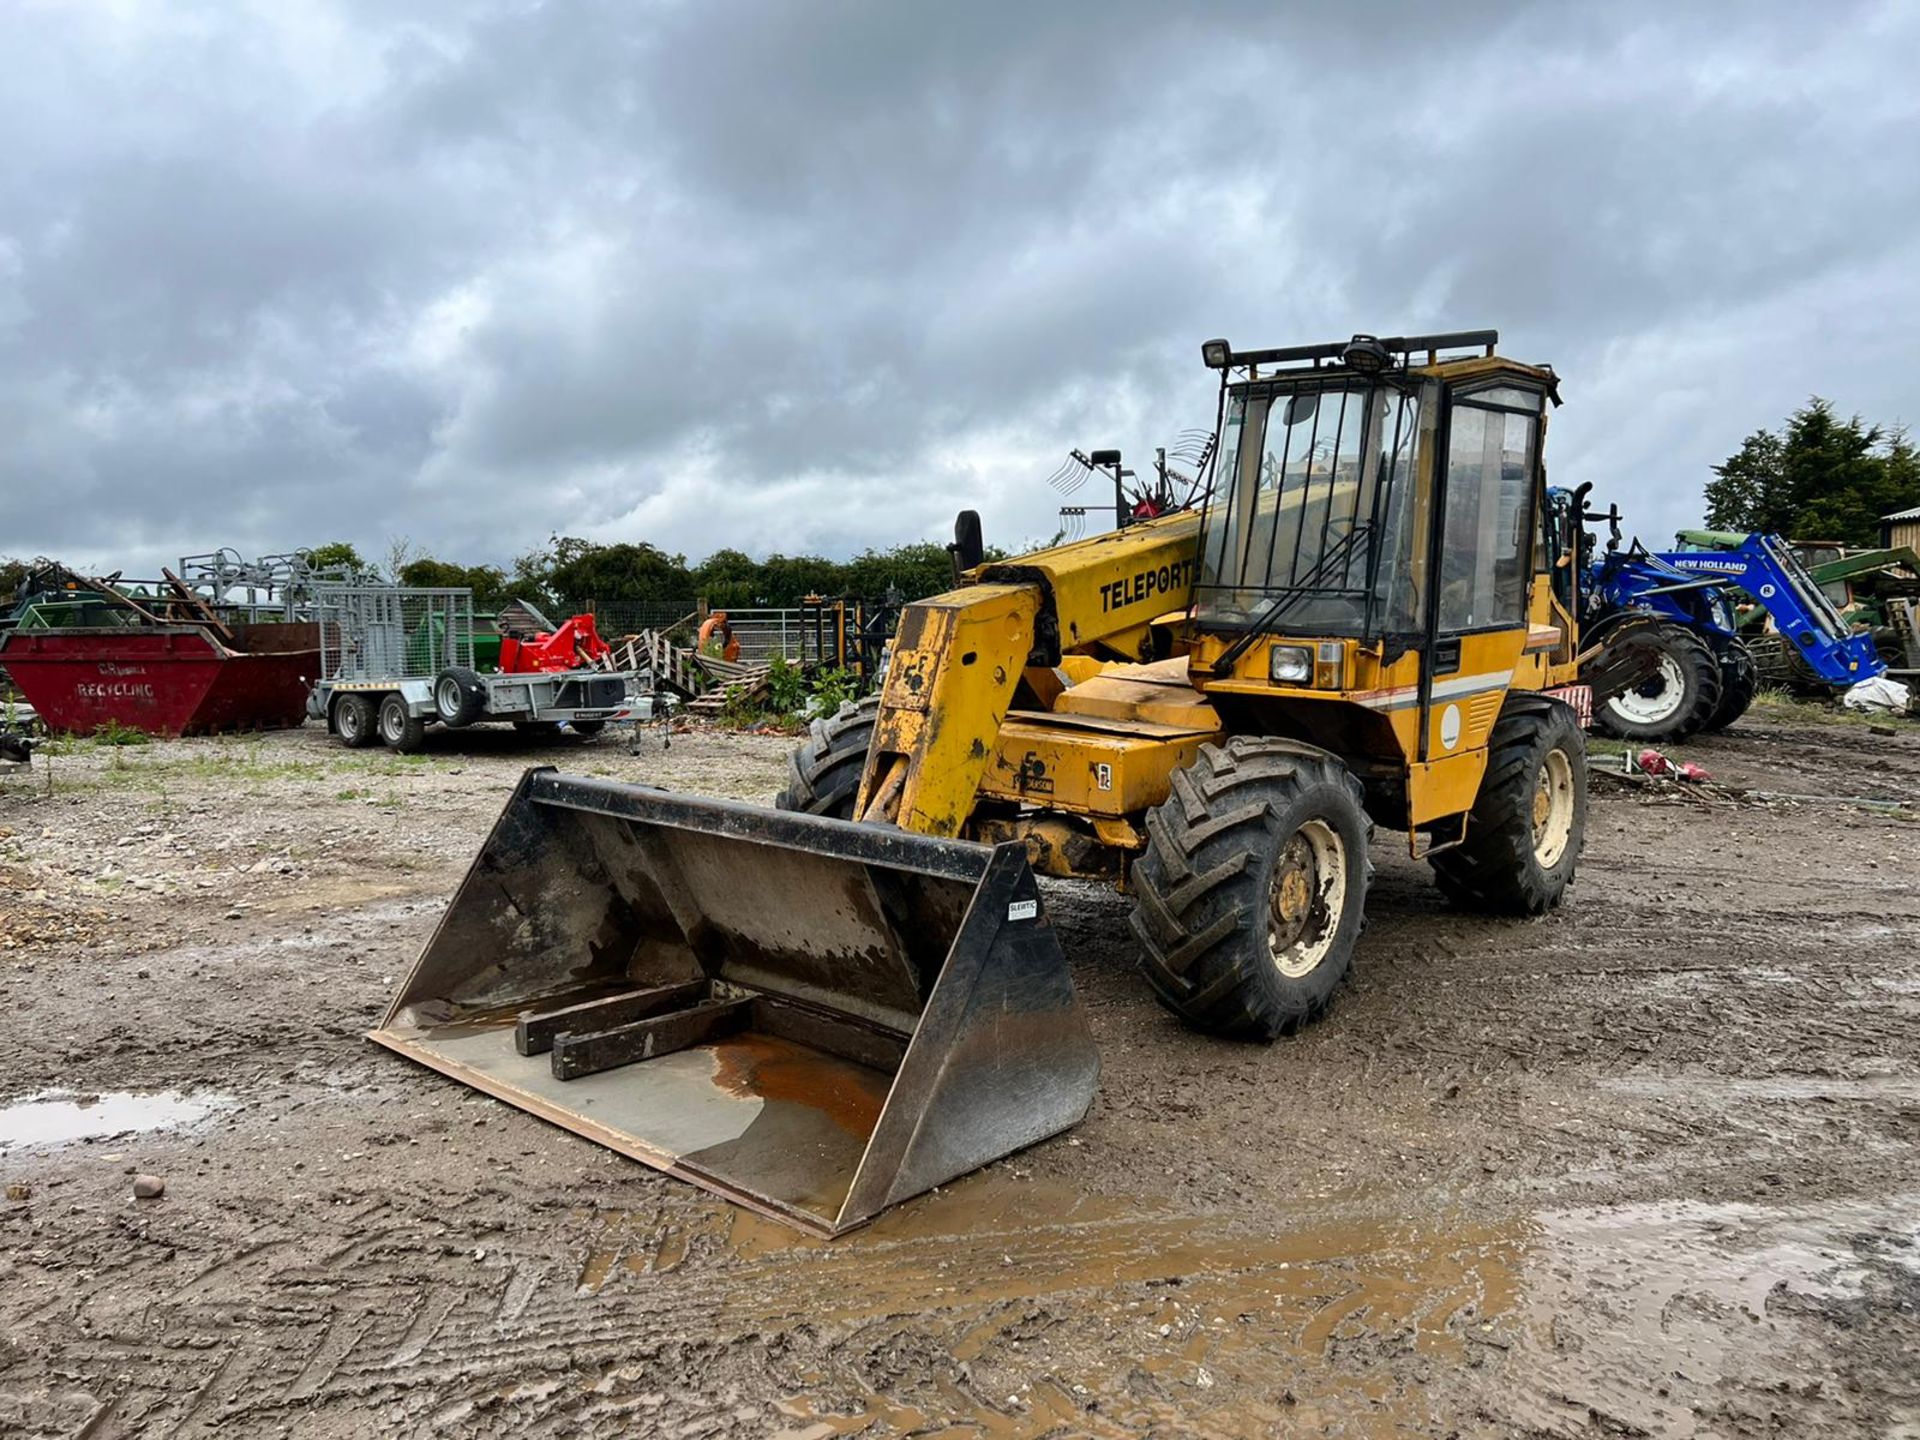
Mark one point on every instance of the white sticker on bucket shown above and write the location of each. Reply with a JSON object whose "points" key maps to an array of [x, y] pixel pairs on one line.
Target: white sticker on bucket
{"points": [[1023, 910]]}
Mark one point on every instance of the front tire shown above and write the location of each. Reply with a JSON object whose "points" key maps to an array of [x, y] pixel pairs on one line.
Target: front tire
{"points": [[1529, 820], [1678, 698], [823, 775], [1250, 896]]}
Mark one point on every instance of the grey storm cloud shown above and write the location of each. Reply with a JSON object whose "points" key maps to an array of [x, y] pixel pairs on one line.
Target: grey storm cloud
{"points": [[812, 277]]}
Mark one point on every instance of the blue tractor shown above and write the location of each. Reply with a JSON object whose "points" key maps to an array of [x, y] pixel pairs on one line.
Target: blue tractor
{"points": [[1676, 611]]}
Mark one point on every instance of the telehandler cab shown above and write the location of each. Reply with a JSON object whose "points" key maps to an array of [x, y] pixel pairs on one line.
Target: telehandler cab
{"points": [[823, 1010]]}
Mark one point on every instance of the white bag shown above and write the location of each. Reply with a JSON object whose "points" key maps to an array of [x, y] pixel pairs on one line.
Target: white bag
{"points": [[1879, 693]]}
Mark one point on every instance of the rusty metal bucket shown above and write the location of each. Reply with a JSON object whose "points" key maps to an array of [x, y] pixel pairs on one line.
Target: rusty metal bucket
{"points": [[812, 1018]]}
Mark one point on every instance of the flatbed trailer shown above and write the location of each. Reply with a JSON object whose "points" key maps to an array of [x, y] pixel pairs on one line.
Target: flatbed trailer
{"points": [[396, 660]]}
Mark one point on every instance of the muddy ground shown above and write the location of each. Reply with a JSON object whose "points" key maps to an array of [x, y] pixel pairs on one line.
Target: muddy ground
{"points": [[1650, 1166]]}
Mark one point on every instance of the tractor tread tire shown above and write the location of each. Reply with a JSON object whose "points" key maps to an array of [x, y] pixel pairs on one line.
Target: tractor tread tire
{"points": [[1700, 671], [1739, 683], [1201, 889], [1494, 870], [823, 774]]}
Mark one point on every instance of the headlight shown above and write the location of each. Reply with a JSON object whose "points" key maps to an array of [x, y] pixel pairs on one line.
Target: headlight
{"points": [[1291, 664]]}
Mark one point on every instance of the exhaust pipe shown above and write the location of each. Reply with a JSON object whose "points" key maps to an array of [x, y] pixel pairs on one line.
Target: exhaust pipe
{"points": [[812, 1018]]}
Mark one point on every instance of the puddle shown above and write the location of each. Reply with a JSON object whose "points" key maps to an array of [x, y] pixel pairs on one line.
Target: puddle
{"points": [[1643, 1318], [1035, 1311], [56, 1118], [1052, 1312]]}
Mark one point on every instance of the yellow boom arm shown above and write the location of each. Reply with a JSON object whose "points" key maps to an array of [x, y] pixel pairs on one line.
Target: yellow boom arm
{"points": [[959, 656]]}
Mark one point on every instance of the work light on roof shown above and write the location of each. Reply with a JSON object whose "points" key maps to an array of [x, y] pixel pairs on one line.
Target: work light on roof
{"points": [[1366, 354]]}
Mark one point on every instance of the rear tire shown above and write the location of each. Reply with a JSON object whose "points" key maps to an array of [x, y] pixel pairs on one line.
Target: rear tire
{"points": [[1251, 894], [459, 697], [1676, 700], [1529, 820], [823, 775], [356, 721], [400, 728], [1739, 682]]}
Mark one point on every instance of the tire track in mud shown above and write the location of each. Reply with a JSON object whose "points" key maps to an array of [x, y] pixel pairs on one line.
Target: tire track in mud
{"points": [[426, 1340]]}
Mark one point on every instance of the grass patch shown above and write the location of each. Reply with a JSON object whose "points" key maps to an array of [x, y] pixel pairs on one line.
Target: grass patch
{"points": [[1777, 703], [243, 769]]}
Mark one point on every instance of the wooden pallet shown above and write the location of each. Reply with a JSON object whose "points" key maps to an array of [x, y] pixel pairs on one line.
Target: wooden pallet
{"points": [[725, 680], [673, 668]]}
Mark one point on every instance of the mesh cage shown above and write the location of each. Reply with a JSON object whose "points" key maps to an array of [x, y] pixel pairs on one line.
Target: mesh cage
{"points": [[387, 632]]}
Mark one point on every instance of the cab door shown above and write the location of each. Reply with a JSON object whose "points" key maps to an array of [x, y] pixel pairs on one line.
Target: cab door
{"points": [[1481, 564]]}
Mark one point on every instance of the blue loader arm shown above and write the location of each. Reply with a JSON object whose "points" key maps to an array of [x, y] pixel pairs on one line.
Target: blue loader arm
{"points": [[1766, 568]]}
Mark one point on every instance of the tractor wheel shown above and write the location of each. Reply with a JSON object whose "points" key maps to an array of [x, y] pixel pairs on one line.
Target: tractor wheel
{"points": [[1739, 681], [1528, 822], [1675, 700], [356, 720], [400, 728], [823, 775], [586, 729], [1249, 898], [459, 697]]}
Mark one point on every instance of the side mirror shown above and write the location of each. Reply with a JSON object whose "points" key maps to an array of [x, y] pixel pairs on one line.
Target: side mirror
{"points": [[968, 548], [1302, 405]]}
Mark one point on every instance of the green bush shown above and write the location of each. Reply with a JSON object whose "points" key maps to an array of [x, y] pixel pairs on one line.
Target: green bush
{"points": [[786, 687], [833, 688]]}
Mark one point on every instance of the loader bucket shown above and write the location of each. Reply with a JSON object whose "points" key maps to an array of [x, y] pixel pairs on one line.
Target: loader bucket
{"points": [[812, 1018]]}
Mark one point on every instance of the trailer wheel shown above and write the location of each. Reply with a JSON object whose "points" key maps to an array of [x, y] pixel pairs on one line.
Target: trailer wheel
{"points": [[1249, 899], [541, 730], [400, 728], [356, 721], [586, 729], [823, 775], [459, 697], [1739, 682], [1676, 700], [1529, 820]]}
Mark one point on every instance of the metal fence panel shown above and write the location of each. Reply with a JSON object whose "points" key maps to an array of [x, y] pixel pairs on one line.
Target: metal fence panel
{"points": [[764, 634], [385, 632], [630, 617]]}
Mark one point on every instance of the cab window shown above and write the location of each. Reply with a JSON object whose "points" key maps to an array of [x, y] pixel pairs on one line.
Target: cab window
{"points": [[1486, 535]]}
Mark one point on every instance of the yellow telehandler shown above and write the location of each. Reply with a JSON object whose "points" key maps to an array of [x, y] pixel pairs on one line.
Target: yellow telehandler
{"points": [[825, 1008]]}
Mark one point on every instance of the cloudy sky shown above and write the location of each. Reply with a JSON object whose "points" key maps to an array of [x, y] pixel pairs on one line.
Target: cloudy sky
{"points": [[810, 276]]}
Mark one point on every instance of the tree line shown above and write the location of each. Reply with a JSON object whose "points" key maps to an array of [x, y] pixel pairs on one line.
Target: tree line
{"points": [[568, 572], [1816, 478]]}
